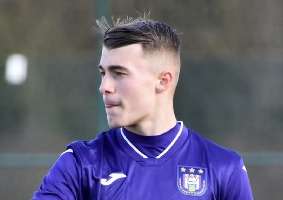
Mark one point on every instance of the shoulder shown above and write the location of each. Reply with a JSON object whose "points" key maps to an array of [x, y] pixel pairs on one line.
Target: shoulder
{"points": [[216, 154], [62, 179], [88, 152], [225, 164]]}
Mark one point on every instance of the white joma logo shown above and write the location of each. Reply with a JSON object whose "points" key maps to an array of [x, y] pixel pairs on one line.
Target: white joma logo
{"points": [[113, 177]]}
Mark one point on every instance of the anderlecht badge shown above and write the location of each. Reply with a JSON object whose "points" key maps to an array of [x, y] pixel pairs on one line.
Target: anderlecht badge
{"points": [[192, 180]]}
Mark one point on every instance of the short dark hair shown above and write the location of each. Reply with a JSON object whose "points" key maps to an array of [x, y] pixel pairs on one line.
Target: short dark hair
{"points": [[152, 35]]}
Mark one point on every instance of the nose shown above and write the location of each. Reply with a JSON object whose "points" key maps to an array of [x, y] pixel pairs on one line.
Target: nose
{"points": [[106, 85]]}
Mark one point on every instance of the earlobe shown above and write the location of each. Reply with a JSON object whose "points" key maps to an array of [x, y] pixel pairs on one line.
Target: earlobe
{"points": [[159, 88], [164, 81]]}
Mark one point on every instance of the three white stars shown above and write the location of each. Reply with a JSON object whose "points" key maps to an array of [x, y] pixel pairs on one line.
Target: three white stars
{"points": [[192, 170]]}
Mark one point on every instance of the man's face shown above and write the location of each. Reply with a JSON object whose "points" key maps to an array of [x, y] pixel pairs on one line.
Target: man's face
{"points": [[127, 85]]}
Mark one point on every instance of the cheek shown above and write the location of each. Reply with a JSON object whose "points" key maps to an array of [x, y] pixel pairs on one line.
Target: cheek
{"points": [[138, 94]]}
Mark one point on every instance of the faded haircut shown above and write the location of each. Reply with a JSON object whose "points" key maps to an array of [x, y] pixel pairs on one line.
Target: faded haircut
{"points": [[152, 35]]}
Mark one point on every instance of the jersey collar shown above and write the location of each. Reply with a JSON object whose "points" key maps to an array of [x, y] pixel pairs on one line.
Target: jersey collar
{"points": [[164, 152]]}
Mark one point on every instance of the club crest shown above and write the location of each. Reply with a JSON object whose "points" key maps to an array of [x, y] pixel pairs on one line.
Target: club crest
{"points": [[192, 180]]}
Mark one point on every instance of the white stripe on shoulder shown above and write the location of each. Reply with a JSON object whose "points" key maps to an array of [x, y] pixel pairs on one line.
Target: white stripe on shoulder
{"points": [[67, 151]]}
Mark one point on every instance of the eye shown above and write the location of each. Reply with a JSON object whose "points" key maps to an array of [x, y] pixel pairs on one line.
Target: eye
{"points": [[119, 73], [102, 73]]}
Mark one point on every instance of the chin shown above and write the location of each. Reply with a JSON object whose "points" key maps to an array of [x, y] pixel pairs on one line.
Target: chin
{"points": [[114, 124]]}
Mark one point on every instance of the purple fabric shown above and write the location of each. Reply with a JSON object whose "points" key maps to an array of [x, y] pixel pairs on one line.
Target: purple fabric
{"points": [[107, 168]]}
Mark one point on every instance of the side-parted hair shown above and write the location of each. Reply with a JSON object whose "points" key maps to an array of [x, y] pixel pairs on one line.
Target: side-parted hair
{"points": [[152, 35]]}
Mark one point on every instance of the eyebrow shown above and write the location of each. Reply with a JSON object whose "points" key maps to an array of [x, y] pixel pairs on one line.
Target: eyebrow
{"points": [[113, 67]]}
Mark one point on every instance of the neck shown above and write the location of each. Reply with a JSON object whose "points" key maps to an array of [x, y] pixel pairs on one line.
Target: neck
{"points": [[155, 125]]}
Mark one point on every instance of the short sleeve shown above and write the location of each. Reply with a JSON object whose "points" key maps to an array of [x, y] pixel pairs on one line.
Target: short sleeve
{"points": [[62, 180], [238, 185]]}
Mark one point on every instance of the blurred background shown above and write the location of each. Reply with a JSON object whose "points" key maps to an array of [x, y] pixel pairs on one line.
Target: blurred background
{"points": [[230, 87]]}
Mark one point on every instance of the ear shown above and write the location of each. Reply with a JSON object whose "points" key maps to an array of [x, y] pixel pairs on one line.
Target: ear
{"points": [[164, 81]]}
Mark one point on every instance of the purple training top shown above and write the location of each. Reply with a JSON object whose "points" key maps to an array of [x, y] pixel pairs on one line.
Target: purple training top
{"points": [[120, 165]]}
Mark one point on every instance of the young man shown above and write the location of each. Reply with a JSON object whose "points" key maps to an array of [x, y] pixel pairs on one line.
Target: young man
{"points": [[147, 154]]}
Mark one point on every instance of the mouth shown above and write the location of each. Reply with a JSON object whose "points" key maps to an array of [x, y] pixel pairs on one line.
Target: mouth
{"points": [[111, 105]]}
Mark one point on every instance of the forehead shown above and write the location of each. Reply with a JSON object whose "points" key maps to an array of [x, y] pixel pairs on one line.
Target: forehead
{"points": [[127, 56]]}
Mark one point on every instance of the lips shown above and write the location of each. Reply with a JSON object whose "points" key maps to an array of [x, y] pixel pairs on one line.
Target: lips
{"points": [[111, 104]]}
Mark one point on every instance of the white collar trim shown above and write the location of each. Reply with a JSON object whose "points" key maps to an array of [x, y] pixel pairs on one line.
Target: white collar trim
{"points": [[163, 152]]}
